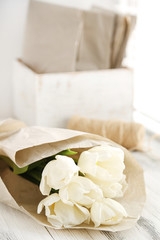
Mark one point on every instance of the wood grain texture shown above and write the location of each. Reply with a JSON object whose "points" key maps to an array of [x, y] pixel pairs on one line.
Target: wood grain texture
{"points": [[51, 99], [15, 225]]}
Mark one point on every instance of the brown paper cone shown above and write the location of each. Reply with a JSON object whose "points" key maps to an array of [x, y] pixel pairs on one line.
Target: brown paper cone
{"points": [[30, 144]]}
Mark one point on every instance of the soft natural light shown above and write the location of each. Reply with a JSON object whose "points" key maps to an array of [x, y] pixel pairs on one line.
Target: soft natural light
{"points": [[147, 69]]}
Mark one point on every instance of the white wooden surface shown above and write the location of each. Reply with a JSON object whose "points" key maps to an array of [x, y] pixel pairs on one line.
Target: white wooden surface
{"points": [[51, 99], [15, 225]]}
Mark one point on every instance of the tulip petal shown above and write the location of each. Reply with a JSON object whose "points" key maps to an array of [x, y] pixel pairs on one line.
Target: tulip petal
{"points": [[57, 174], [80, 190], [47, 202], [107, 212], [111, 159], [116, 205], [60, 214], [104, 165], [71, 215], [110, 189], [96, 213], [87, 162]]}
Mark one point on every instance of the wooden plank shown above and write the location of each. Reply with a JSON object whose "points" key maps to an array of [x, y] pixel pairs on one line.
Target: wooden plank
{"points": [[70, 234], [15, 225]]}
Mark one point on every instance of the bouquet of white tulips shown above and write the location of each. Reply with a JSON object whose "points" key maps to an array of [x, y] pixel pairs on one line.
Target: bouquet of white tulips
{"points": [[81, 180]]}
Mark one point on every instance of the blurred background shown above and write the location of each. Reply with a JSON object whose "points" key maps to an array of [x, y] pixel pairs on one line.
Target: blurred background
{"points": [[93, 39]]}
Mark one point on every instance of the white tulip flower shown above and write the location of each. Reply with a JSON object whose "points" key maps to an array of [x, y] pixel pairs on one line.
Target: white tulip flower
{"points": [[104, 165], [57, 174], [82, 191], [60, 214], [112, 189], [107, 212]]}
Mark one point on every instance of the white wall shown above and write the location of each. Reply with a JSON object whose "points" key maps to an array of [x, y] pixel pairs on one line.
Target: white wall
{"points": [[147, 69], [12, 20]]}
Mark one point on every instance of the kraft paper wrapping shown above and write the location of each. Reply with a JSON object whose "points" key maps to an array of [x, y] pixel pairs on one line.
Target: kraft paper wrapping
{"points": [[51, 37], [95, 47], [118, 38], [129, 22], [29, 144], [123, 25], [64, 39]]}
